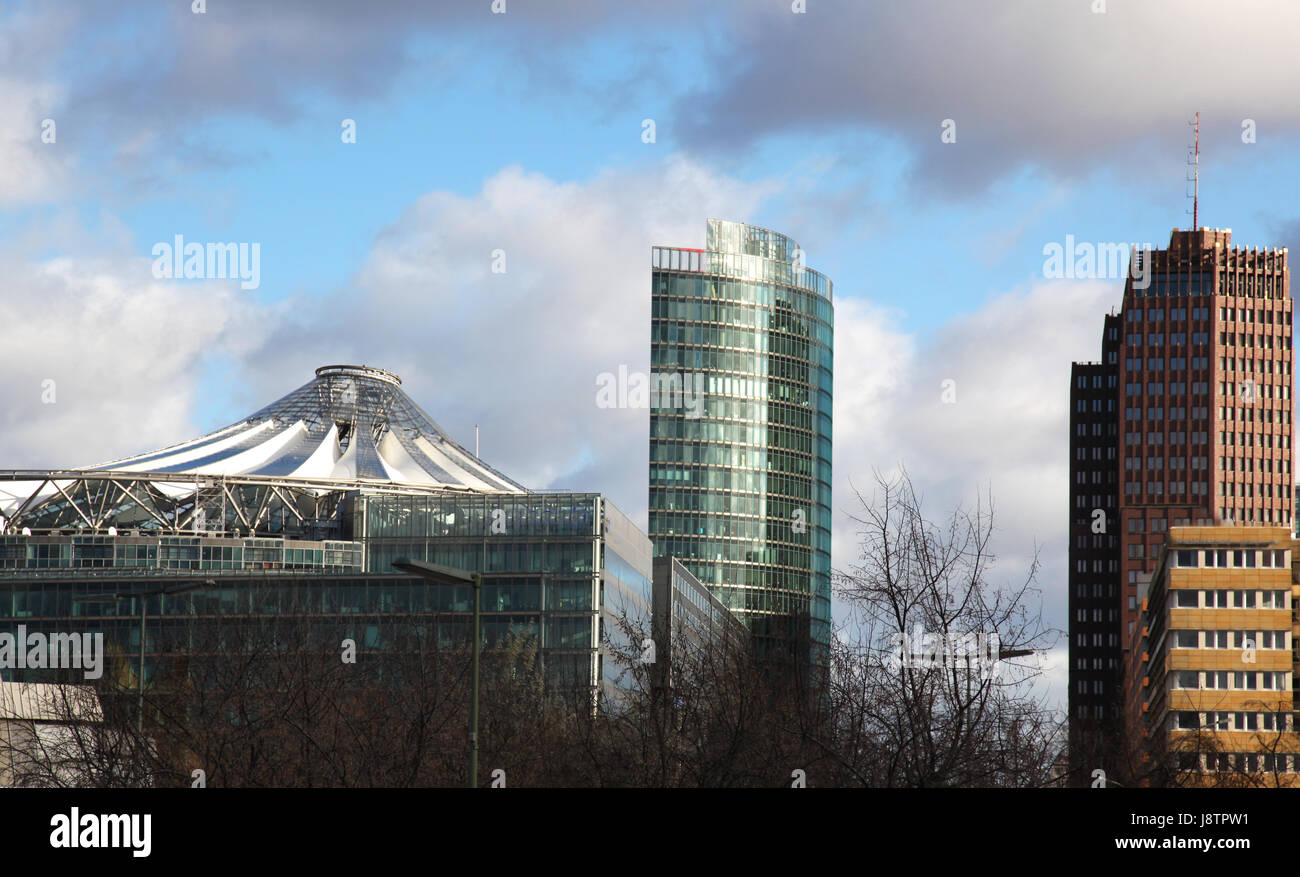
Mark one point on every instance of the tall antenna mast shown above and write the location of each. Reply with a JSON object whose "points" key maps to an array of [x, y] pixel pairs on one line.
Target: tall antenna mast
{"points": [[1195, 161]]}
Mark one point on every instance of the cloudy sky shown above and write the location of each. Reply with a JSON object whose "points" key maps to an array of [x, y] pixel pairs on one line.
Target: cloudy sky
{"points": [[923, 154]]}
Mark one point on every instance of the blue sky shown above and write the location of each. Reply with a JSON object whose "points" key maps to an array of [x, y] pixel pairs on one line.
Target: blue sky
{"points": [[524, 131]]}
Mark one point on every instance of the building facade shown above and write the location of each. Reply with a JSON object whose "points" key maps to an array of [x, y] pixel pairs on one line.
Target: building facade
{"points": [[688, 620], [1195, 431], [300, 510], [1213, 662], [1094, 626], [740, 459], [44, 741]]}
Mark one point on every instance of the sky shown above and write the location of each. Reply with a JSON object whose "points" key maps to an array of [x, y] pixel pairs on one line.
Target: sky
{"points": [[381, 156]]}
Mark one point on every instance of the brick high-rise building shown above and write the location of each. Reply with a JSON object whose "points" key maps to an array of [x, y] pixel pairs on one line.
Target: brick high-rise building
{"points": [[1185, 421]]}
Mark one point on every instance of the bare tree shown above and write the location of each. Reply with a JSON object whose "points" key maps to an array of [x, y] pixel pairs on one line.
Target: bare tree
{"points": [[953, 709]]}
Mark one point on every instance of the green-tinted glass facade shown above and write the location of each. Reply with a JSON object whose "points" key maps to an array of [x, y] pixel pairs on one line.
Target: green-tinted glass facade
{"points": [[740, 475], [562, 569]]}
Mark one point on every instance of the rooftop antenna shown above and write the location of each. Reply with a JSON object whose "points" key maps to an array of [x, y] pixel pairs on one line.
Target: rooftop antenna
{"points": [[1194, 159], [476, 440]]}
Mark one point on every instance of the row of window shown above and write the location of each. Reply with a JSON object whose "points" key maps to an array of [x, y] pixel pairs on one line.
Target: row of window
{"points": [[1224, 558], [768, 295], [795, 529], [1261, 440], [1243, 364], [1176, 488], [745, 437], [1111, 640], [1157, 412], [393, 516], [1133, 463], [1231, 721], [720, 574], [747, 551], [1247, 464], [1157, 363], [1099, 589], [1246, 762], [1179, 339], [1255, 516], [1258, 342], [1224, 599], [1082, 382], [1099, 500], [1248, 364], [1231, 639], [1157, 315], [1097, 712], [1157, 339], [306, 596], [1226, 489], [721, 477], [1082, 566], [175, 557], [1249, 390], [1225, 680], [1158, 438], [1247, 415], [1176, 388], [678, 331], [1164, 287]]}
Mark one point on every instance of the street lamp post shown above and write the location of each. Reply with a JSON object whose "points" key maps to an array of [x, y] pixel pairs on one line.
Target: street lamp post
{"points": [[450, 575], [144, 595]]}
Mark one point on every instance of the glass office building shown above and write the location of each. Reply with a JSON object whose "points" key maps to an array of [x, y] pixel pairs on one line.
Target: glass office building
{"points": [[740, 428], [299, 511]]}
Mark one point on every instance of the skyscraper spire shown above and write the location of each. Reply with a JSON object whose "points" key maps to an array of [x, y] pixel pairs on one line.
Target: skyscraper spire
{"points": [[1195, 162]]}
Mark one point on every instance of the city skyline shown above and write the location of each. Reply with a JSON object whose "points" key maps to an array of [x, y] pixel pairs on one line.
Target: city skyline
{"points": [[469, 140], [1186, 420]]}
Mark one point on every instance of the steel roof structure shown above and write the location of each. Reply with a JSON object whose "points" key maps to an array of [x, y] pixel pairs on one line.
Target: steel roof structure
{"points": [[350, 428]]}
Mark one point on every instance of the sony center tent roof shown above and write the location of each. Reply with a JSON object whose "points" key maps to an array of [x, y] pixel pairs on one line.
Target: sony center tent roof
{"points": [[349, 425]]}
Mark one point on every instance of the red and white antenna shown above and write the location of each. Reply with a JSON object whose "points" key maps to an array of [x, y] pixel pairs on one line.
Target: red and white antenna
{"points": [[1194, 159]]}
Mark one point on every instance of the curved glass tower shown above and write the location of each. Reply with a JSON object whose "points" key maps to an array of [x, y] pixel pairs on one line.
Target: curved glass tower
{"points": [[740, 430]]}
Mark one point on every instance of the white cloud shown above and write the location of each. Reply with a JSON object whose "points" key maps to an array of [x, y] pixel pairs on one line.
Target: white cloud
{"points": [[1028, 83], [1007, 431], [30, 170], [519, 352], [122, 349]]}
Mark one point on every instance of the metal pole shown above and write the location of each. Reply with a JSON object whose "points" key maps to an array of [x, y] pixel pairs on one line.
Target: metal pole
{"points": [[139, 676], [473, 704]]}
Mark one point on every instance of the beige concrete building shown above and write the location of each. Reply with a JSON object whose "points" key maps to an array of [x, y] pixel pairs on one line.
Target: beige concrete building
{"points": [[1214, 661], [39, 740]]}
